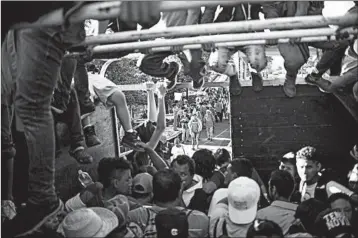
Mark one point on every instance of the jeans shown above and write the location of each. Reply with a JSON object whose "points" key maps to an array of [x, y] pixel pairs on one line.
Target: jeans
{"points": [[333, 55], [72, 68], [72, 118], [33, 57], [152, 64]]}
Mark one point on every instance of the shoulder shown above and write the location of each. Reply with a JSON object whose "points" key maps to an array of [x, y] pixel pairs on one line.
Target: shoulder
{"points": [[138, 214]]}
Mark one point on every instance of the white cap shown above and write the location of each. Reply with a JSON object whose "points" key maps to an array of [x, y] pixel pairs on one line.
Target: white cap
{"points": [[243, 197]]}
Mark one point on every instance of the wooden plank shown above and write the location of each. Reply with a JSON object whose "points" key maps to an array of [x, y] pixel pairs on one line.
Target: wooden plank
{"points": [[267, 125]]}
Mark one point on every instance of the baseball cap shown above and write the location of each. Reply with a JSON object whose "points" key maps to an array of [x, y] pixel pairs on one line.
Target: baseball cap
{"points": [[172, 222], [143, 183], [332, 223], [243, 197], [289, 157]]}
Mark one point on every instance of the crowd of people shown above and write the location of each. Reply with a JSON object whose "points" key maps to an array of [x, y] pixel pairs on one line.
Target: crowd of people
{"points": [[202, 115], [145, 194]]}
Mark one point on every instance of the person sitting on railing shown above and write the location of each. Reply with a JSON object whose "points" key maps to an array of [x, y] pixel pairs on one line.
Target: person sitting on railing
{"points": [[348, 75], [333, 50], [255, 53], [153, 63], [294, 55]]}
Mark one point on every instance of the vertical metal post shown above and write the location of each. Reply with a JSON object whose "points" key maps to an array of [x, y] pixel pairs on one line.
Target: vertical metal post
{"points": [[115, 131]]}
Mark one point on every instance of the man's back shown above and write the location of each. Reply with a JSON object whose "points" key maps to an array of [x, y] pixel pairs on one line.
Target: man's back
{"points": [[279, 212]]}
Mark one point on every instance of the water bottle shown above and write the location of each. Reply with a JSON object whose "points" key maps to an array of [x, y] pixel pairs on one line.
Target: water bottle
{"points": [[84, 178]]}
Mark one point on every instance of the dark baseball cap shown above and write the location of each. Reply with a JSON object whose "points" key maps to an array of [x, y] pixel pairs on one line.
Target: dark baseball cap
{"points": [[172, 222]]}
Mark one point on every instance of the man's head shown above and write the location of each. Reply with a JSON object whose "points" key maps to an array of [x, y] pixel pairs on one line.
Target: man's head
{"points": [[243, 198], [257, 57], [222, 157], [141, 161], [308, 164], [281, 185], [163, 139], [115, 173], [143, 187], [166, 186], [238, 168], [204, 163], [185, 167], [288, 163], [341, 202], [176, 141]]}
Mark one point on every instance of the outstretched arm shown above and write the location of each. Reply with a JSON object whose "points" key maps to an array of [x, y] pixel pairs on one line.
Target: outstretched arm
{"points": [[152, 109], [161, 123]]}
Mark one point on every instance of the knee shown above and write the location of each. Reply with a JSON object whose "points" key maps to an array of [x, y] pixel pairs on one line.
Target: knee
{"points": [[118, 98], [293, 65]]}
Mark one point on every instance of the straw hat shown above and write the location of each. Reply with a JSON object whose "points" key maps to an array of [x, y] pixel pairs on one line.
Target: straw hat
{"points": [[88, 222]]}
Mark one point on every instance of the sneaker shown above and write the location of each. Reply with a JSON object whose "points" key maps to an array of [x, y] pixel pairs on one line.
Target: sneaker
{"points": [[289, 88], [130, 139], [30, 219], [257, 82], [174, 78], [198, 84], [235, 86], [323, 84], [81, 155], [91, 137]]}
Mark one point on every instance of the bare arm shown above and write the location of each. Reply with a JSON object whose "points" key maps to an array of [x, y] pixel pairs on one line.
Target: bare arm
{"points": [[152, 109], [157, 161], [161, 123]]}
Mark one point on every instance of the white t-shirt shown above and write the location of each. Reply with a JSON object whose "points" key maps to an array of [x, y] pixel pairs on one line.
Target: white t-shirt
{"points": [[177, 151], [307, 191]]}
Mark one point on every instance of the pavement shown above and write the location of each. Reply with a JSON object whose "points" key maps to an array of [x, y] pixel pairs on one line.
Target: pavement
{"points": [[221, 139]]}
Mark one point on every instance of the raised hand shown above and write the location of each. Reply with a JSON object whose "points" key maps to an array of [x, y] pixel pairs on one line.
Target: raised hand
{"points": [[150, 86], [162, 89]]}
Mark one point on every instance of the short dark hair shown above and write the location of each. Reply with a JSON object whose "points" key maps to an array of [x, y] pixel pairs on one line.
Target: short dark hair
{"points": [[184, 159], [222, 156], [336, 196], [204, 163], [261, 227], [108, 165], [309, 153], [283, 182], [166, 186], [242, 167]]}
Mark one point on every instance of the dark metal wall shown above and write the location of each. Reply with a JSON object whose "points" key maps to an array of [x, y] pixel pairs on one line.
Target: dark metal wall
{"points": [[266, 125]]}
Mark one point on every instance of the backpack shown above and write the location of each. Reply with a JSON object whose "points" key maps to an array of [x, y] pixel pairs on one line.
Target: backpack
{"points": [[225, 234], [195, 126], [149, 229]]}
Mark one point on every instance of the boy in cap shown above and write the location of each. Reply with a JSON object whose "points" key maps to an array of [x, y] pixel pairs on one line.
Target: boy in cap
{"points": [[143, 188], [332, 223]]}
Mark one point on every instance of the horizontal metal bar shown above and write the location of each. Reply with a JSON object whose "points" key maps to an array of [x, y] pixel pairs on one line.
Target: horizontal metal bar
{"points": [[248, 37], [283, 23]]}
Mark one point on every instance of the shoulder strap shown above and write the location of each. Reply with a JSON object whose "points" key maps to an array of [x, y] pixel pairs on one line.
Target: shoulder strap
{"points": [[224, 228], [188, 214], [215, 227]]}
